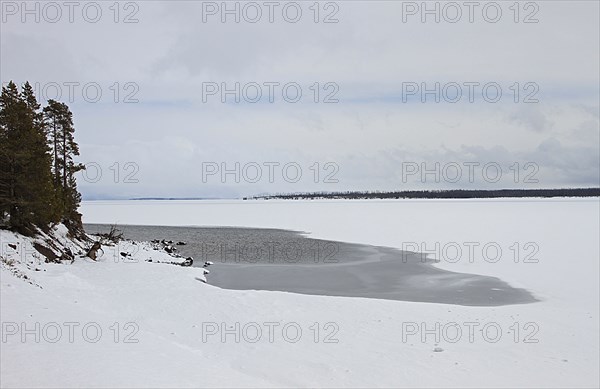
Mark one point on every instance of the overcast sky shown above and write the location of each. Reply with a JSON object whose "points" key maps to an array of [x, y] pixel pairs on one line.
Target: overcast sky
{"points": [[160, 122]]}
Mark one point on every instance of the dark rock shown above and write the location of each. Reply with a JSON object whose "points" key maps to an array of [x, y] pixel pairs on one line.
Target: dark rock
{"points": [[188, 262], [46, 252], [181, 243], [67, 255]]}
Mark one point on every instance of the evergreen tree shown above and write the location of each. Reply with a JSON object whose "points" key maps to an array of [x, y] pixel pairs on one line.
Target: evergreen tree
{"points": [[52, 120], [43, 197], [37, 170], [59, 125], [9, 156], [26, 190]]}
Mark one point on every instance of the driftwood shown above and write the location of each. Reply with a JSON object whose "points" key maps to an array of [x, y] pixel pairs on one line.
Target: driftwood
{"points": [[113, 236], [93, 252]]}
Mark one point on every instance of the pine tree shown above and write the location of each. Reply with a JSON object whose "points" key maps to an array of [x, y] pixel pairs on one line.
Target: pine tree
{"points": [[52, 119], [26, 190], [43, 197], [9, 156], [59, 125]]}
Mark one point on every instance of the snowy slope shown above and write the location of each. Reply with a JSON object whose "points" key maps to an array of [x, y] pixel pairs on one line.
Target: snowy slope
{"points": [[349, 342]]}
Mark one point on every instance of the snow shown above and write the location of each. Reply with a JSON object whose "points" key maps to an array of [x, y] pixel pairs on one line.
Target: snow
{"points": [[178, 320]]}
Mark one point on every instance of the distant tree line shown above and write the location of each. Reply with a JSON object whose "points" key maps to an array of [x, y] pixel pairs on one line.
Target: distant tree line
{"points": [[37, 170], [439, 194]]}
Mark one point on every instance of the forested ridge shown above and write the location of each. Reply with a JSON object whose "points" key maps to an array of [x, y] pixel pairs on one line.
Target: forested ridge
{"points": [[440, 194]]}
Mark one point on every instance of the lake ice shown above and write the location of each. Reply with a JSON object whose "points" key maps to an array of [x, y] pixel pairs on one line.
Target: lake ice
{"points": [[290, 261]]}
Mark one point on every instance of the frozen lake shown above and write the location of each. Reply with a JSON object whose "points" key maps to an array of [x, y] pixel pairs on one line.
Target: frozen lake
{"points": [[290, 261]]}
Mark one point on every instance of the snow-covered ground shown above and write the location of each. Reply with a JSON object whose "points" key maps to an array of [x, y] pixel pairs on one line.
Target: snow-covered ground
{"points": [[161, 326]]}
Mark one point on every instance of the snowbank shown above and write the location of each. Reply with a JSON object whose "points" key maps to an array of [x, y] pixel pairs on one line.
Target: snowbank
{"points": [[161, 327]]}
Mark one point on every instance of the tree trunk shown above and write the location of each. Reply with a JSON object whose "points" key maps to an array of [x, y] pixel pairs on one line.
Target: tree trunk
{"points": [[93, 252]]}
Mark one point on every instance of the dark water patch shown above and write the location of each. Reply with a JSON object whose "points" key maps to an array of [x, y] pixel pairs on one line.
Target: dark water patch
{"points": [[289, 261]]}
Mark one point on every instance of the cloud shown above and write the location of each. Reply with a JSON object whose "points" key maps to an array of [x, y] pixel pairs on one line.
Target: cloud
{"points": [[369, 55], [532, 117]]}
